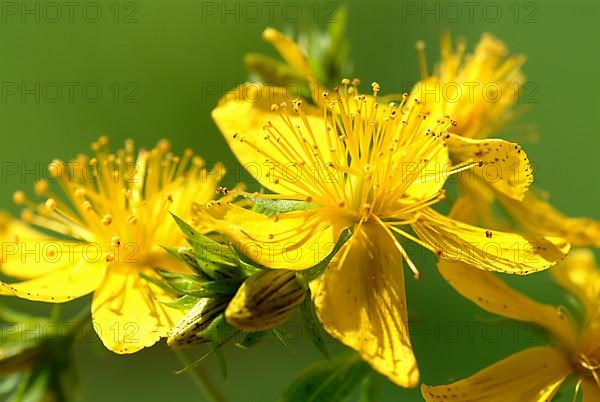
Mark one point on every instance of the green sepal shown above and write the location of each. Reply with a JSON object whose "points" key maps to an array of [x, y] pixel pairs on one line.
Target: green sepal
{"points": [[249, 267], [312, 325], [251, 339], [190, 262], [182, 283], [213, 251], [317, 270], [222, 359], [225, 287], [184, 303], [270, 70], [219, 332]]}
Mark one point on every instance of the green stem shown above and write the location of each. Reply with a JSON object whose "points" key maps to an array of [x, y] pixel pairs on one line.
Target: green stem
{"points": [[55, 313], [81, 320], [201, 378]]}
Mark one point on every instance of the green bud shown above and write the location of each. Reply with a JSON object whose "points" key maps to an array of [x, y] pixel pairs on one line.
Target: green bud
{"points": [[188, 331], [265, 300]]}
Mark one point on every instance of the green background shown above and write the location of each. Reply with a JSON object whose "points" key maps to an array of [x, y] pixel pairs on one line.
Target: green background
{"points": [[169, 52]]}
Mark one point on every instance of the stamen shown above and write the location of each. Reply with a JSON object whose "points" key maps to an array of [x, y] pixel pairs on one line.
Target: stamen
{"points": [[19, 198], [422, 57], [50, 204]]}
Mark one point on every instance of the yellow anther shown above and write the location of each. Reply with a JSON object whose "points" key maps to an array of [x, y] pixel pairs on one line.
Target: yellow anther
{"points": [[80, 193], [50, 204], [107, 219], [56, 168], [41, 187], [27, 216], [164, 145], [19, 198], [115, 241]]}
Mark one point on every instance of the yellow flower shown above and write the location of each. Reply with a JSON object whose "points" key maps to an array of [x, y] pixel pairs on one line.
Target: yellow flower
{"points": [[537, 373], [103, 233], [480, 91], [375, 168]]}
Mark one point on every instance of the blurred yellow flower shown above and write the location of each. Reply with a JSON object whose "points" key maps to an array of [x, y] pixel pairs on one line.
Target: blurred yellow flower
{"points": [[480, 92], [535, 374], [375, 168], [103, 232]]}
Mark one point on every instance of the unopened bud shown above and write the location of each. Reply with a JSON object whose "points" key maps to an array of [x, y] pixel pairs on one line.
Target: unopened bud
{"points": [[265, 300], [188, 331]]}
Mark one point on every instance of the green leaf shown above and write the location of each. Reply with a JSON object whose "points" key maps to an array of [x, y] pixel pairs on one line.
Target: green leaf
{"points": [[272, 207], [316, 271], [312, 325], [324, 382]]}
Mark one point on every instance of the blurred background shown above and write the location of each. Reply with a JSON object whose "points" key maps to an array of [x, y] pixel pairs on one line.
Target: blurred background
{"points": [[72, 71]]}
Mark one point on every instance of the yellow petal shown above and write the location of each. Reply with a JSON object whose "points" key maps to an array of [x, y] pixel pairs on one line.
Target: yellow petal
{"points": [[432, 174], [534, 375], [291, 240], [539, 217], [494, 295], [290, 52], [24, 249], [61, 285], [31, 257], [475, 205], [591, 390], [502, 165], [127, 312], [579, 275], [361, 301], [296, 165], [488, 249]]}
